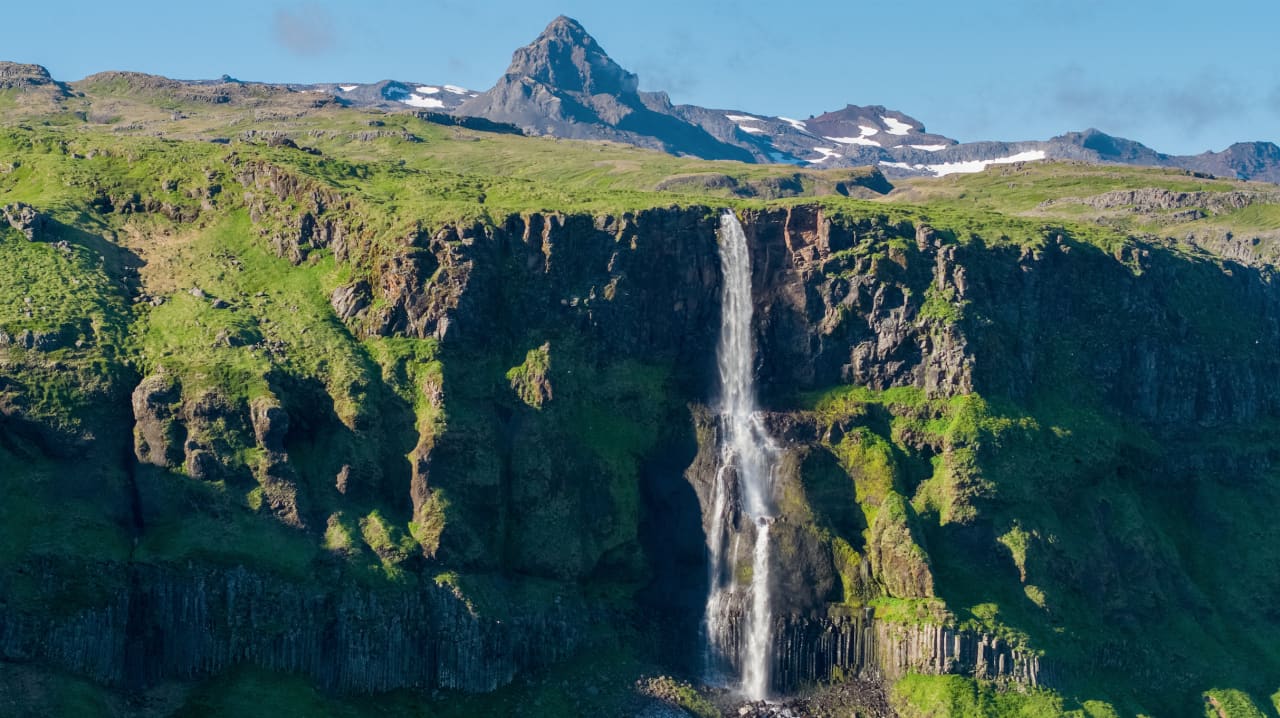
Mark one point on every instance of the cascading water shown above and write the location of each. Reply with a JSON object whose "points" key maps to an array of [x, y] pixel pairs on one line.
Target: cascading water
{"points": [[743, 491]]}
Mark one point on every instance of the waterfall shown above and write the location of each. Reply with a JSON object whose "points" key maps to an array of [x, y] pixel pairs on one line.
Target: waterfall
{"points": [[742, 496]]}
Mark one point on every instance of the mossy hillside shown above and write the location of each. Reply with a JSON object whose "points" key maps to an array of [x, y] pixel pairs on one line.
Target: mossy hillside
{"points": [[958, 697], [1034, 487], [271, 334], [579, 505], [1231, 703], [1022, 187], [890, 224], [441, 175], [237, 321], [65, 294], [60, 406], [1060, 191], [530, 380], [56, 519], [278, 329], [213, 524]]}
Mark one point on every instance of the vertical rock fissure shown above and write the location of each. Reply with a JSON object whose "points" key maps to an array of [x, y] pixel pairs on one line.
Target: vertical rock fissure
{"points": [[738, 612]]}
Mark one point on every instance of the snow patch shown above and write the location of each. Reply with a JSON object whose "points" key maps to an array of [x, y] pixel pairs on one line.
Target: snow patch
{"points": [[347, 88], [951, 168], [456, 90], [979, 165], [860, 139], [739, 119], [854, 141], [428, 90], [896, 127], [795, 123], [827, 153], [928, 148], [415, 100]]}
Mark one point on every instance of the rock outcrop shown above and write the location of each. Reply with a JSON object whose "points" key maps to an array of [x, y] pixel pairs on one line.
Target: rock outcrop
{"points": [[24, 77], [25, 219], [322, 222], [158, 433]]}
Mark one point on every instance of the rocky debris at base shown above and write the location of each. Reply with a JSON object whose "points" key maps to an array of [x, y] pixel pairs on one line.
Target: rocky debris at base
{"points": [[865, 699], [854, 698]]}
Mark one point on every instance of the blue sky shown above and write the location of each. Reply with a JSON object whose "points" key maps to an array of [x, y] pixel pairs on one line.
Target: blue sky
{"points": [[1180, 76]]}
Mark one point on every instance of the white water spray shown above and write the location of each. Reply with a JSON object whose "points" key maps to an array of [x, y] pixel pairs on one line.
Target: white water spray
{"points": [[749, 451]]}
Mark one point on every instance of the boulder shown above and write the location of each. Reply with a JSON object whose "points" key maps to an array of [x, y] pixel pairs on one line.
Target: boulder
{"points": [[26, 219], [158, 435], [351, 299], [270, 424]]}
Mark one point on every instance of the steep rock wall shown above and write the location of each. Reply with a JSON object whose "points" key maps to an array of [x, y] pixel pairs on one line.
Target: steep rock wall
{"points": [[161, 623], [864, 301]]}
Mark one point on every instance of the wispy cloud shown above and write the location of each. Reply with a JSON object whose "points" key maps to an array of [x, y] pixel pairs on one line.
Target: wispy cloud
{"points": [[1187, 106], [306, 29], [672, 67]]}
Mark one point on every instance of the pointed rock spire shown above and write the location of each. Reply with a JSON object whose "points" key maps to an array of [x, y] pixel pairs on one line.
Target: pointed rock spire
{"points": [[567, 58]]}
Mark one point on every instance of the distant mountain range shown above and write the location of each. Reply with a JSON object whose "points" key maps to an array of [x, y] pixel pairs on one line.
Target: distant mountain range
{"points": [[564, 84]]}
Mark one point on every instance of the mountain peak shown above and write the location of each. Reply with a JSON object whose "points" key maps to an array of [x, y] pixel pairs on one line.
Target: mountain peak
{"points": [[566, 28], [567, 58]]}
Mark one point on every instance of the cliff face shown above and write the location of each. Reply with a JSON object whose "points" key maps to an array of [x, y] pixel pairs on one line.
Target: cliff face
{"points": [[166, 623], [1014, 397], [997, 458]]}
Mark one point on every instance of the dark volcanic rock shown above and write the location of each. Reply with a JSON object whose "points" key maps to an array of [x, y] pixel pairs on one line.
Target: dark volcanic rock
{"points": [[157, 624], [564, 84]]}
